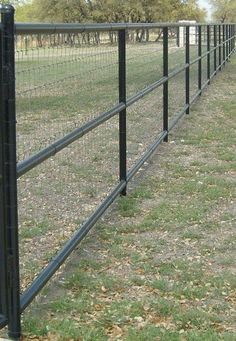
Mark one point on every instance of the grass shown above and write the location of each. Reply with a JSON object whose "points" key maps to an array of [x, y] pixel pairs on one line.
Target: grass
{"points": [[35, 229]]}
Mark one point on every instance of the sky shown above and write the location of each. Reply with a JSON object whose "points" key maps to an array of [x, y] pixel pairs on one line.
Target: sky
{"points": [[205, 4]]}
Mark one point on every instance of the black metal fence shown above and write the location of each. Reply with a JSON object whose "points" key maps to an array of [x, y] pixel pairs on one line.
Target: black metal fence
{"points": [[76, 93]]}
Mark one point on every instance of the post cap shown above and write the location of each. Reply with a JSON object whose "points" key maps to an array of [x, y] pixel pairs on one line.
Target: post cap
{"points": [[6, 8]]}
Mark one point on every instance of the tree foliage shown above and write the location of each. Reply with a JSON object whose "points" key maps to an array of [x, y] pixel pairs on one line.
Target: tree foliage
{"points": [[109, 10], [224, 10]]}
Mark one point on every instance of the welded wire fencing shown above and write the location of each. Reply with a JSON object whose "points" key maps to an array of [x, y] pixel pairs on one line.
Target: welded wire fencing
{"points": [[92, 102]]}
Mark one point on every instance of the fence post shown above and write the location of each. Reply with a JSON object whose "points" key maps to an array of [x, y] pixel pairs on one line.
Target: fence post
{"points": [[223, 44], [122, 114], [200, 58], [220, 49], [234, 36], [165, 85], [187, 73], [3, 246], [215, 45], [177, 36], [9, 172], [208, 55], [227, 41]]}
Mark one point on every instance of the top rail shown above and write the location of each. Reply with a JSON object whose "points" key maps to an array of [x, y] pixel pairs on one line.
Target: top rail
{"points": [[36, 28]]}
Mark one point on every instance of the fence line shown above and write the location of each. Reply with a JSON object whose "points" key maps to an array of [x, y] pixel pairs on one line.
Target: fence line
{"points": [[214, 44]]}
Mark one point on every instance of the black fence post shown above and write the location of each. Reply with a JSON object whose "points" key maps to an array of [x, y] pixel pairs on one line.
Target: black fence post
{"points": [[209, 54], [232, 38], [223, 44], [9, 170], [122, 114], [234, 26], [165, 85], [200, 58], [234, 32], [3, 244], [215, 45], [227, 41], [177, 36], [220, 49], [187, 71]]}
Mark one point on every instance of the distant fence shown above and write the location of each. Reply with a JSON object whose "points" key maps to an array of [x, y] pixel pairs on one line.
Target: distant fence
{"points": [[83, 107]]}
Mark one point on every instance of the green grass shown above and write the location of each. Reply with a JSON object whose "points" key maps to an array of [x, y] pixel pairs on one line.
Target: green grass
{"points": [[34, 229], [127, 207]]}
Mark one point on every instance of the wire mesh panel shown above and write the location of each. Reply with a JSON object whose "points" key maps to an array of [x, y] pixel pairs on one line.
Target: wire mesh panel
{"points": [[59, 195], [144, 123], [63, 80], [144, 59], [176, 86]]}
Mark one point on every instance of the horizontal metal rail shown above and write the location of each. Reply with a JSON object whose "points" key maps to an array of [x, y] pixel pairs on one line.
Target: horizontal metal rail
{"points": [[36, 28]]}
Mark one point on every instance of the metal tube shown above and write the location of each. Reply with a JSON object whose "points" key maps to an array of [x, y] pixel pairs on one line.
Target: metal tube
{"points": [[209, 55], [3, 243], [187, 72], [215, 46], [200, 58], [165, 85], [11, 212], [224, 44], [220, 46], [227, 41], [36, 28], [122, 114]]}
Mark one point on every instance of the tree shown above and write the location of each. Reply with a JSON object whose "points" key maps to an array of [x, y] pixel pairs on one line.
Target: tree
{"points": [[54, 11], [224, 10], [191, 11], [109, 10]]}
